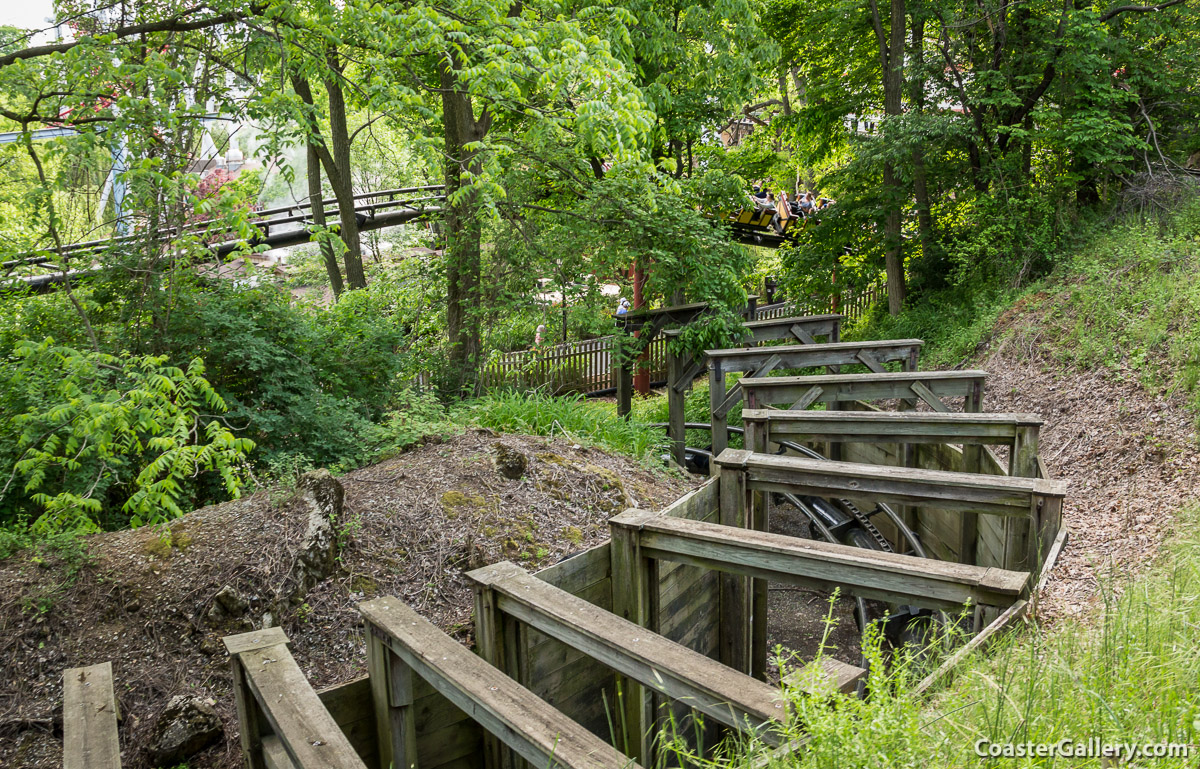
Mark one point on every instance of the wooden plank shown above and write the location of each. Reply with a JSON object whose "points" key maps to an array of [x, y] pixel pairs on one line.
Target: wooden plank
{"points": [[998, 495], [451, 742], [869, 360], [842, 676], [734, 625], [865, 387], [524, 722], [807, 399], [800, 333], [432, 710], [90, 739], [274, 754], [1013, 612], [891, 426], [257, 639], [824, 566], [797, 356], [696, 503], [352, 709], [922, 390], [310, 736], [654, 661], [580, 570]]}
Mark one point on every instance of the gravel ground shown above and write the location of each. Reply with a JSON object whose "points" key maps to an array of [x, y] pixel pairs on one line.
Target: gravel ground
{"points": [[411, 525]]}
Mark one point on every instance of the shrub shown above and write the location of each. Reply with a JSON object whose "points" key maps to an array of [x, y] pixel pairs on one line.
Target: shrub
{"points": [[132, 430]]}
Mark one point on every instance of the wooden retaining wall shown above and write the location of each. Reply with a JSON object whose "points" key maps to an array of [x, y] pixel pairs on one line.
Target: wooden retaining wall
{"points": [[578, 686]]}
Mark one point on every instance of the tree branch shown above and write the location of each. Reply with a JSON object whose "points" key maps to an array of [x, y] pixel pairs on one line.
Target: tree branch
{"points": [[176, 23], [1138, 9]]}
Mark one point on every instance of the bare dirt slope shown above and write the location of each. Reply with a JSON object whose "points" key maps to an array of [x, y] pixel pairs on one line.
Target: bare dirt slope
{"points": [[410, 527], [1130, 458]]}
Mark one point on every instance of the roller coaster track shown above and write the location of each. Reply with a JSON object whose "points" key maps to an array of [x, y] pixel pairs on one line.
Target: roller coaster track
{"points": [[276, 228]]}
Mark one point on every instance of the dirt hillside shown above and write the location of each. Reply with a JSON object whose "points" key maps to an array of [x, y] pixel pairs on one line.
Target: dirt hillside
{"points": [[147, 599], [1130, 457]]}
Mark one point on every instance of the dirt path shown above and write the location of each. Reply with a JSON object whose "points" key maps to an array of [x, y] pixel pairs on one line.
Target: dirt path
{"points": [[1130, 459]]}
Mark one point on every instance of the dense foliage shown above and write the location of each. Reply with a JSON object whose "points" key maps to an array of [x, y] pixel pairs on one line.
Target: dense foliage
{"points": [[580, 145]]}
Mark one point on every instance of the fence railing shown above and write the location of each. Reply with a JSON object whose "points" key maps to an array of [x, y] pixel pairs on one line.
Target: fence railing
{"points": [[587, 366], [852, 304], [572, 367]]}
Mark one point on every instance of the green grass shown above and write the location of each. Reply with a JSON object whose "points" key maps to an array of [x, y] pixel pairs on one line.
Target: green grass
{"points": [[1130, 302], [1130, 674], [591, 423]]}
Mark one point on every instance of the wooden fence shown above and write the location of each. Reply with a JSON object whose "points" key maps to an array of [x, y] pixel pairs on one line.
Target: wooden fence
{"points": [[586, 367], [853, 305], [573, 367]]}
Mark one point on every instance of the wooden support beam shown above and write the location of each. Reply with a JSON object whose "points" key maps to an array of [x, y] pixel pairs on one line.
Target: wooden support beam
{"points": [[902, 427], [825, 566], [973, 463], [716, 397], [288, 703], [868, 360], [777, 329], [721, 362], [837, 388], [392, 696], [807, 399], [840, 675], [634, 599], [537, 732], [800, 333], [659, 664], [734, 395], [924, 393], [798, 356], [677, 386], [735, 634], [991, 494], [90, 715]]}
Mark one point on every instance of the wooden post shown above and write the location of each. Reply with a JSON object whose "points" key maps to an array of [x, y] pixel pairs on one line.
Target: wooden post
{"points": [[1021, 546], [392, 693], [908, 451], [758, 518], [489, 643], [90, 714], [676, 398], [635, 598], [716, 397], [623, 371], [252, 725], [735, 614], [972, 463]]}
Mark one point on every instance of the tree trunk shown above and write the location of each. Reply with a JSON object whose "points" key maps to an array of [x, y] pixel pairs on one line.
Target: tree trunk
{"points": [[463, 233], [891, 56], [318, 214], [337, 169], [342, 182], [920, 177]]}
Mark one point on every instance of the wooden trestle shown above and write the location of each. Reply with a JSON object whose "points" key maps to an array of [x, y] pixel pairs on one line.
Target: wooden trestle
{"points": [[584, 663]]}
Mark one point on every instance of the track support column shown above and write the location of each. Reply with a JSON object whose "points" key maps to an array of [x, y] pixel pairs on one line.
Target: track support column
{"points": [[972, 463], [635, 598]]}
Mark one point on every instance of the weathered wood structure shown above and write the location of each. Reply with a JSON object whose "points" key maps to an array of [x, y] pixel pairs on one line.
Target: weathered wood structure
{"points": [[762, 361], [682, 372], [90, 716], [585, 663]]}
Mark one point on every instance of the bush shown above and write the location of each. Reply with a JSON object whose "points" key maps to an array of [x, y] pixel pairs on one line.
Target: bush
{"points": [[129, 431]]}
